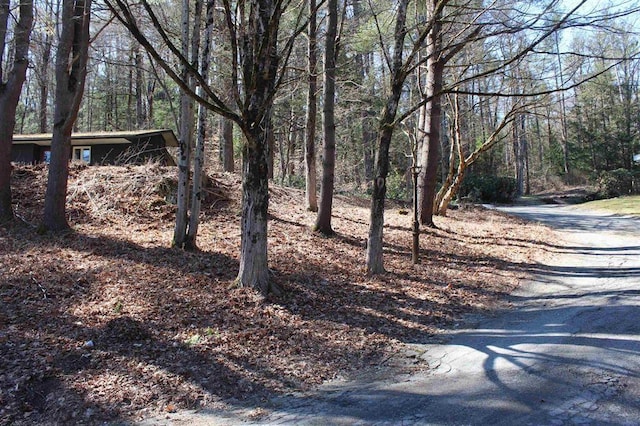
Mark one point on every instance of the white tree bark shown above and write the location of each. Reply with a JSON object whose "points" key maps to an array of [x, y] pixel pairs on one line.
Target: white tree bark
{"points": [[199, 160]]}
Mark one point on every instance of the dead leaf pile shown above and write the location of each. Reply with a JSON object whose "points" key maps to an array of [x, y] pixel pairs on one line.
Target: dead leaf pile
{"points": [[108, 323]]}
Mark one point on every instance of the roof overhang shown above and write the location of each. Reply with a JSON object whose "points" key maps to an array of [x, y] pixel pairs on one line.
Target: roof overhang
{"points": [[45, 140], [99, 138]]}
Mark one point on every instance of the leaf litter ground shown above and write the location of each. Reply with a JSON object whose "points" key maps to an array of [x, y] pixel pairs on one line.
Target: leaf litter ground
{"points": [[109, 323]]}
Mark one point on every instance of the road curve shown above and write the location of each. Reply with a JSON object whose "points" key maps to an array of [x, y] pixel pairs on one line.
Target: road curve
{"points": [[567, 354]]}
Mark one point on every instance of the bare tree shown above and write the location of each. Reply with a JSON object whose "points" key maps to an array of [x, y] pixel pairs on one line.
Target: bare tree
{"points": [[311, 198], [71, 69], [257, 64], [476, 25], [190, 48], [199, 160], [10, 88], [323, 220], [43, 39], [459, 161], [386, 126], [431, 114], [428, 29]]}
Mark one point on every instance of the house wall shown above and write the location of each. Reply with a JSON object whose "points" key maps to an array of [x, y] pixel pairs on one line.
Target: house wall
{"points": [[150, 148], [107, 154], [139, 151], [27, 154]]}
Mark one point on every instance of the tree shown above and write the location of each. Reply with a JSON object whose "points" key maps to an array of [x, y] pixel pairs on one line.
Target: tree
{"points": [[477, 25], [198, 172], [459, 161], [10, 88], [311, 198], [600, 121], [363, 65], [257, 66], [430, 115], [398, 75], [559, 80], [226, 144], [43, 40], [190, 47], [323, 220], [226, 132], [71, 69]]}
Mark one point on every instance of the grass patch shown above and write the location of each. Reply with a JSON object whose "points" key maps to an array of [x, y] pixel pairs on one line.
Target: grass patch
{"points": [[629, 206]]}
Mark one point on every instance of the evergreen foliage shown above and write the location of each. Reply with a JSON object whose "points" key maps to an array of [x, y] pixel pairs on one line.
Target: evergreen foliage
{"points": [[488, 189]]}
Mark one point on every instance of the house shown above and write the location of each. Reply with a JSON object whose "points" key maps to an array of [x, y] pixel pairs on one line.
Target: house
{"points": [[128, 147]]}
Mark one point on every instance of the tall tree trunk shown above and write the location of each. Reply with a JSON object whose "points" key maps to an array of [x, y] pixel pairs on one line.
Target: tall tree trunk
{"points": [[564, 138], [10, 94], [430, 152], [368, 140], [524, 146], [255, 195], [71, 69], [518, 152], [141, 120], [150, 89], [185, 145], [432, 116], [368, 131], [375, 261], [271, 147], [198, 168], [130, 90], [323, 220], [227, 145], [226, 124], [311, 197], [43, 79], [259, 66]]}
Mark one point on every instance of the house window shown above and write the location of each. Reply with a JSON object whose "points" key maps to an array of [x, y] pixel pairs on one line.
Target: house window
{"points": [[82, 153]]}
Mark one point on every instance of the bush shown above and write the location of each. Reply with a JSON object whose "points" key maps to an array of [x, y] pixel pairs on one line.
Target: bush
{"points": [[398, 188], [489, 189], [297, 181], [615, 183]]}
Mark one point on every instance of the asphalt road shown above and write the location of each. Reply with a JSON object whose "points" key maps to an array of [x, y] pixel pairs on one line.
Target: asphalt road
{"points": [[567, 354]]}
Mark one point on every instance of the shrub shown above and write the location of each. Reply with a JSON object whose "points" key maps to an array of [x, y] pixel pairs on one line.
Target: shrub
{"points": [[614, 183], [489, 189], [398, 188]]}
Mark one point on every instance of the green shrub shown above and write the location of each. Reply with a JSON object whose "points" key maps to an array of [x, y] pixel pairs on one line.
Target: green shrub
{"points": [[489, 189], [615, 183], [297, 181], [397, 187]]}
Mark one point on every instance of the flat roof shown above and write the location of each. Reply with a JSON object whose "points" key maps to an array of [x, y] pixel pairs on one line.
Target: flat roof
{"points": [[99, 138]]}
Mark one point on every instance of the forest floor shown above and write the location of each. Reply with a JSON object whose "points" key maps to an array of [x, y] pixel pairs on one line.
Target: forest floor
{"points": [[109, 323]]}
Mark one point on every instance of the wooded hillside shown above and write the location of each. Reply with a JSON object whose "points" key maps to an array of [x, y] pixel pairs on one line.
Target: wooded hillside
{"points": [[147, 288], [108, 322]]}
